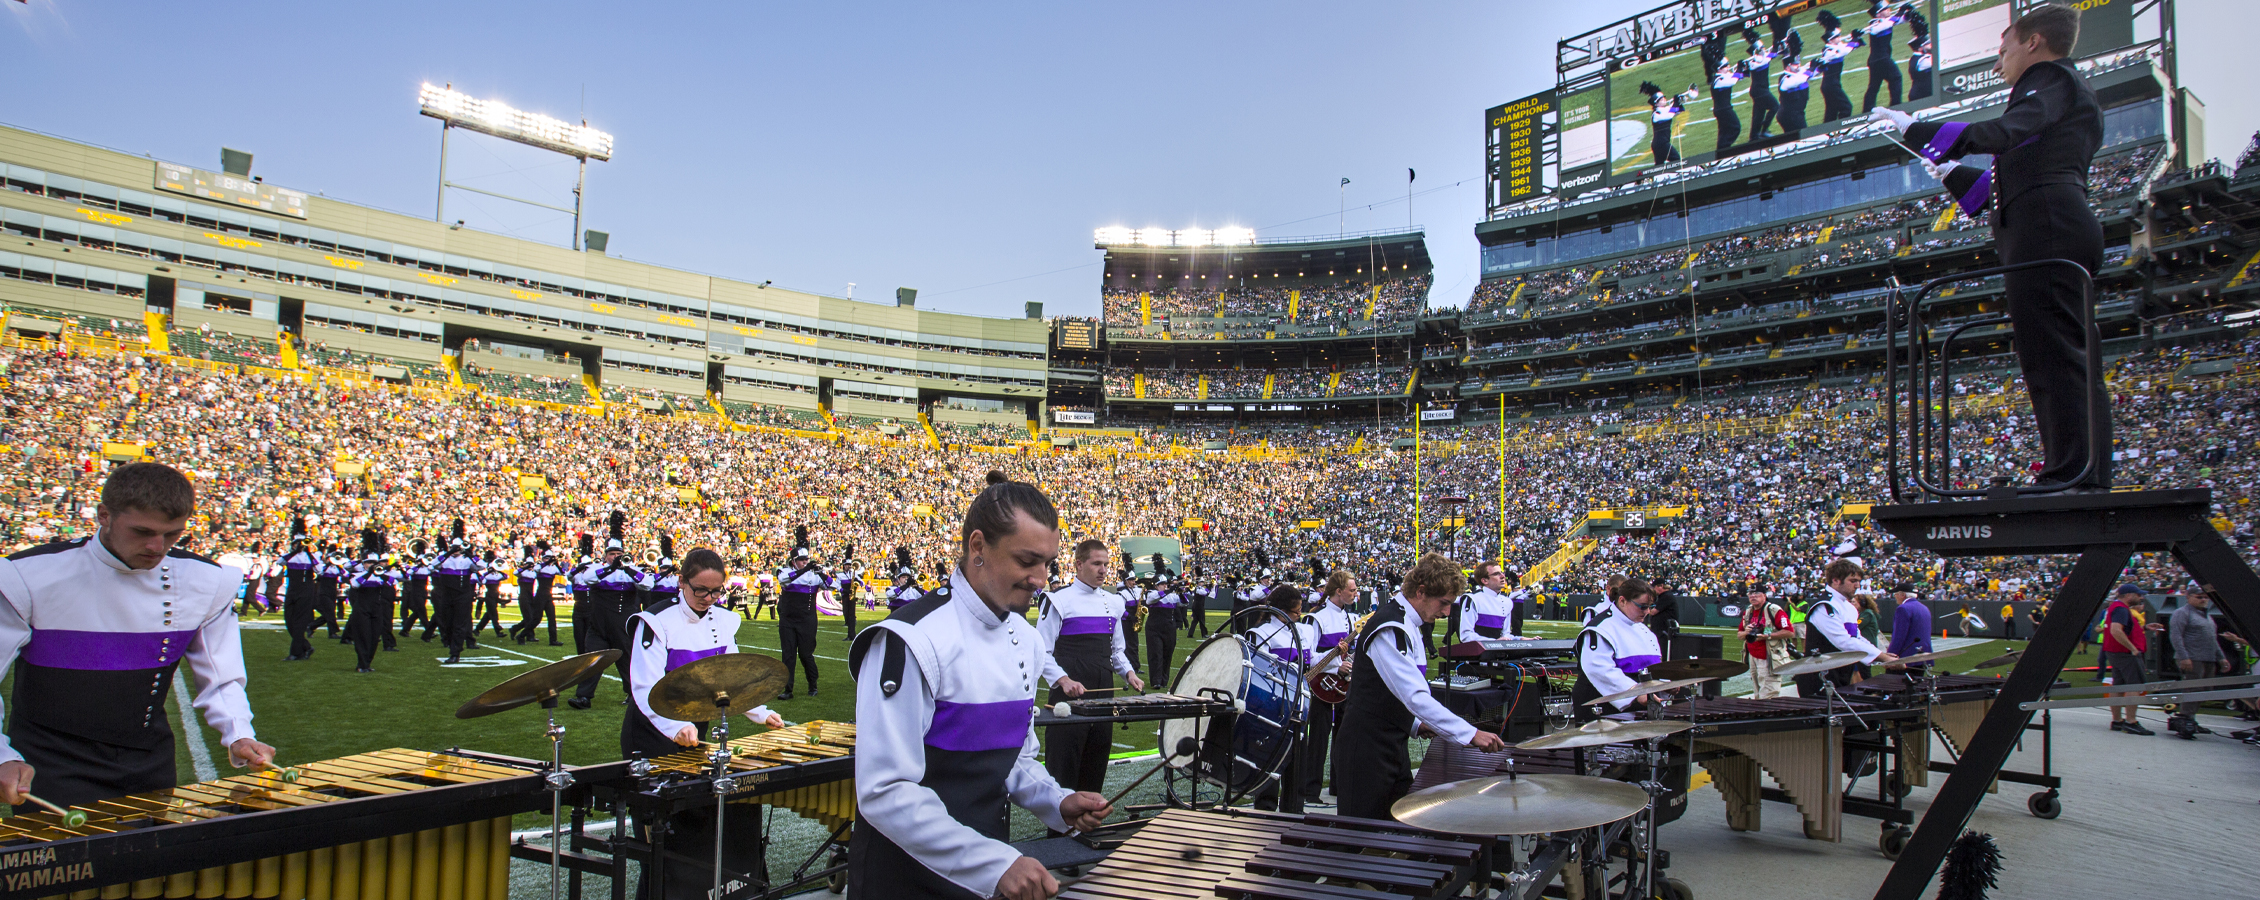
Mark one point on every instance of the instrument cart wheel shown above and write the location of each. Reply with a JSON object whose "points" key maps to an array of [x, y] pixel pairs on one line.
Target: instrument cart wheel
{"points": [[1897, 786], [1674, 889], [1894, 841], [2045, 804]]}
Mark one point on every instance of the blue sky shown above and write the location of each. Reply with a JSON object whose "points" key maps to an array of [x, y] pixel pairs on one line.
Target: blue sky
{"points": [[967, 150]]}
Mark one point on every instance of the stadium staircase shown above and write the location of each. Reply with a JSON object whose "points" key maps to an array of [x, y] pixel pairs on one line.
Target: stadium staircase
{"points": [[596, 394], [286, 352], [1571, 551], [1035, 430], [1138, 385], [825, 409], [926, 424], [2244, 272], [454, 366], [154, 323], [715, 403], [1334, 383], [1200, 386], [1267, 377]]}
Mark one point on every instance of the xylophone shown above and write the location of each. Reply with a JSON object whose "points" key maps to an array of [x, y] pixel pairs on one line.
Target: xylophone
{"points": [[386, 825], [808, 768], [1251, 855]]}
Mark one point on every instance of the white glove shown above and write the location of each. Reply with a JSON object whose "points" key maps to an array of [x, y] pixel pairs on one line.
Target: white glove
{"points": [[1939, 170], [1898, 120]]}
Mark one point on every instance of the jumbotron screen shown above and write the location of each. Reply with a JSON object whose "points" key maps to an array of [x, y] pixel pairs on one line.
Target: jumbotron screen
{"points": [[1701, 80]]}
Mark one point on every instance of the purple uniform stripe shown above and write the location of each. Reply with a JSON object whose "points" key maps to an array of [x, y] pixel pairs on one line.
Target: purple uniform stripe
{"points": [[677, 659], [973, 727], [1942, 141], [107, 651], [1490, 621], [1973, 200], [1086, 625], [1290, 654], [1633, 664], [1331, 640]]}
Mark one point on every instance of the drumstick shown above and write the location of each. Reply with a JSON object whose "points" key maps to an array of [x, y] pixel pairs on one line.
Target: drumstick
{"points": [[71, 818]]}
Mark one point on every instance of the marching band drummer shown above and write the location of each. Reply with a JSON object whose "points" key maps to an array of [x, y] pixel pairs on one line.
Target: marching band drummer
{"points": [[1373, 768], [100, 627], [1290, 639], [945, 730], [1082, 639], [1614, 647], [680, 630]]}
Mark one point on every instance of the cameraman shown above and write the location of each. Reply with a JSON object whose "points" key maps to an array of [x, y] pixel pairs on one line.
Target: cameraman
{"points": [[1765, 632]]}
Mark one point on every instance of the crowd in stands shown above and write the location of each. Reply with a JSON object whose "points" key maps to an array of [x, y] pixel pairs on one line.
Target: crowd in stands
{"points": [[1235, 384], [1250, 310], [1173, 383], [1300, 382], [222, 347], [1364, 381], [983, 433]]}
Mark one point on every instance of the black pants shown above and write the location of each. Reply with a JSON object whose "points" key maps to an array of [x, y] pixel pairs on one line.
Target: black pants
{"points": [[847, 611], [1130, 652], [1286, 794], [535, 607], [1659, 143], [606, 624], [298, 617], [412, 613], [1161, 644], [1835, 103], [1793, 110], [796, 640], [1317, 741], [2054, 222], [76, 770], [1198, 618], [325, 606], [580, 634], [453, 609], [2009, 628], [490, 611], [1722, 109], [1881, 71], [364, 625], [1763, 108], [1919, 81]]}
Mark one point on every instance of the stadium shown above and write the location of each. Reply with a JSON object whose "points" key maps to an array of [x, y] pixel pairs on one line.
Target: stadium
{"points": [[1676, 365]]}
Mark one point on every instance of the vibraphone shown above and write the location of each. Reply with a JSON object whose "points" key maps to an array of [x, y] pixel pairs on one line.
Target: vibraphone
{"points": [[1247, 855], [1802, 742], [808, 768], [387, 825]]}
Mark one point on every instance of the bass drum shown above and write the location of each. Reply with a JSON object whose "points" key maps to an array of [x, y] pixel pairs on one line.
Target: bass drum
{"points": [[1237, 752]]}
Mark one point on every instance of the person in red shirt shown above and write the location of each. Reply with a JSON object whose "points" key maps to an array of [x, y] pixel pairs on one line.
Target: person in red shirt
{"points": [[1765, 627], [2123, 644]]}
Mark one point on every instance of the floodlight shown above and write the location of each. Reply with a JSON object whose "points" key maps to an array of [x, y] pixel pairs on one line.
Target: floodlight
{"points": [[1115, 234], [533, 129], [1235, 236], [1195, 237]]}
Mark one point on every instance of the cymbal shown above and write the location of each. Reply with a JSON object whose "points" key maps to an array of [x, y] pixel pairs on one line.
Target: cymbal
{"points": [[1698, 668], [719, 686], [1932, 656], [1605, 731], [2006, 659], [1649, 687], [1519, 804], [1821, 663], [540, 684]]}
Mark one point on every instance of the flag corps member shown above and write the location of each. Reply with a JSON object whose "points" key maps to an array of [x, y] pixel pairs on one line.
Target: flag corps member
{"points": [[944, 711], [95, 629]]}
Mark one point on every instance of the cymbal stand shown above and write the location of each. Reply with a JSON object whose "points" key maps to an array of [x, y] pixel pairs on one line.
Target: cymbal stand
{"points": [[724, 785], [1654, 787], [556, 782]]}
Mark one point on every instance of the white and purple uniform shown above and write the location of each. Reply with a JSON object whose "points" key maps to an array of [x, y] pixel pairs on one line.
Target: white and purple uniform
{"points": [[1484, 615], [1081, 611], [667, 638], [1611, 653], [1331, 626]]}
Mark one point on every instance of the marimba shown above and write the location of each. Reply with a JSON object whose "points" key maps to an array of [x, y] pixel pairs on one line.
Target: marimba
{"points": [[1248, 855], [385, 825]]}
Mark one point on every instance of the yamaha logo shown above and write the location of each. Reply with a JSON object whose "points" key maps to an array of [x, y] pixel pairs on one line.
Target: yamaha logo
{"points": [[1958, 532]]}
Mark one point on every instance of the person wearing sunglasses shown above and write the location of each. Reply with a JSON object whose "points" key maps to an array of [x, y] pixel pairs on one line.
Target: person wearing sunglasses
{"points": [[1613, 649], [687, 627]]}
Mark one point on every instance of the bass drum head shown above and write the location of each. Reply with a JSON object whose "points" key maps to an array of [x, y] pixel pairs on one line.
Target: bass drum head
{"points": [[1219, 663]]}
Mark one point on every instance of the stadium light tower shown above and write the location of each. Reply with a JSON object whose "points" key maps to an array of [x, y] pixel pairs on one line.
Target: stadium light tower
{"points": [[455, 109]]}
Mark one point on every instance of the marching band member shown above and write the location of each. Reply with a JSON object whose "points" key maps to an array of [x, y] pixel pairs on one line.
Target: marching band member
{"points": [[905, 590], [1080, 624], [1373, 768], [370, 593], [100, 626], [415, 589], [1161, 602], [1614, 647], [796, 611], [1286, 637], [668, 636], [1331, 623], [300, 567], [611, 600], [1484, 613], [945, 737], [1832, 624], [452, 577]]}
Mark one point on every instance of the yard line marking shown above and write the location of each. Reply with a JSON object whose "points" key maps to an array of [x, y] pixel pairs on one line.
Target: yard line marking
{"points": [[198, 754]]}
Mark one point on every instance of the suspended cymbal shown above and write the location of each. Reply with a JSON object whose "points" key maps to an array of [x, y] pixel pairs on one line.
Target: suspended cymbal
{"points": [[1519, 804], [1821, 663], [2006, 659], [539, 684], [1698, 668], [1649, 687], [1932, 656], [719, 686], [1605, 731]]}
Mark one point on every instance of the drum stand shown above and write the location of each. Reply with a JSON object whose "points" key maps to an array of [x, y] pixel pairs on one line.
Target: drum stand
{"points": [[556, 782]]}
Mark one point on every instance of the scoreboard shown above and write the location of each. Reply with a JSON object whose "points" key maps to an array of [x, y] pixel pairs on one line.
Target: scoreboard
{"points": [[1078, 334], [1515, 130], [232, 190]]}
